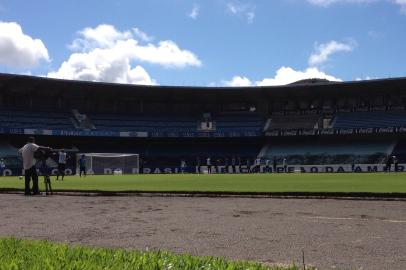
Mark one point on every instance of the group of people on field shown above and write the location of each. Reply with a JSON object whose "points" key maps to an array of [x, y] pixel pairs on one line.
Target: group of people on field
{"points": [[35, 157], [252, 165]]}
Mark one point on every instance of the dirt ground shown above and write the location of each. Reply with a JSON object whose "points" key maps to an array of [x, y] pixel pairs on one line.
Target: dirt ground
{"points": [[334, 234]]}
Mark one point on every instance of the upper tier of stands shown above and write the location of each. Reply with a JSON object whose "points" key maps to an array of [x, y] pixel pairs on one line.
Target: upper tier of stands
{"points": [[294, 121], [35, 119], [237, 122], [11, 118], [370, 119], [174, 123], [161, 123]]}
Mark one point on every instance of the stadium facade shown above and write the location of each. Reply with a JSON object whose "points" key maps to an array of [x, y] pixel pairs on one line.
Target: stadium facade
{"points": [[312, 125]]}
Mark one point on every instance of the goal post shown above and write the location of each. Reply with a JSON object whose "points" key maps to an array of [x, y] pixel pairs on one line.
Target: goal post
{"points": [[111, 163]]}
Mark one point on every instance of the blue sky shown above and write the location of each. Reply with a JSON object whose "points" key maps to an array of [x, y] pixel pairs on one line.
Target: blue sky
{"points": [[204, 43]]}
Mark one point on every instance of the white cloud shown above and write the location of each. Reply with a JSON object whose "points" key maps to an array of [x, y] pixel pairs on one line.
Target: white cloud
{"points": [[18, 49], [286, 75], [141, 35], [104, 66], [375, 34], [244, 10], [103, 36], [195, 12], [325, 50], [283, 76], [250, 16], [367, 78], [166, 53], [402, 4], [106, 54], [326, 3], [238, 81]]}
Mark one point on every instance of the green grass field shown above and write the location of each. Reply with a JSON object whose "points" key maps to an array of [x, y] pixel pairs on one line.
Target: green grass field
{"points": [[18, 254], [334, 182]]}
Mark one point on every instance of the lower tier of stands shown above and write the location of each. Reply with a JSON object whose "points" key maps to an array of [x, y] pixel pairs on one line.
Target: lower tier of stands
{"points": [[329, 151], [170, 152]]}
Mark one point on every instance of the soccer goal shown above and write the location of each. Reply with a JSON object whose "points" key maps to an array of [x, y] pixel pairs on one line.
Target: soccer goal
{"points": [[111, 163]]}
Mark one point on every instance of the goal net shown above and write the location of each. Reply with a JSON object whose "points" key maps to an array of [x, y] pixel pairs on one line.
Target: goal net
{"points": [[111, 163]]}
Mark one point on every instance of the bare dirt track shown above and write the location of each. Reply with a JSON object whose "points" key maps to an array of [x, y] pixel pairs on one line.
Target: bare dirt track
{"points": [[334, 234]]}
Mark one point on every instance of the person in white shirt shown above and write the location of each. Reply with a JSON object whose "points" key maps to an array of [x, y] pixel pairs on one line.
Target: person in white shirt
{"points": [[61, 164], [285, 165], [267, 165], [30, 172], [182, 165], [257, 164], [208, 163]]}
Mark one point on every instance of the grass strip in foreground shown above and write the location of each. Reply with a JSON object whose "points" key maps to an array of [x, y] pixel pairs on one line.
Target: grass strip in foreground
{"points": [[18, 254]]}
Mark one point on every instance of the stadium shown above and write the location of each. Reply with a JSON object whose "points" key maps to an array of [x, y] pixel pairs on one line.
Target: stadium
{"points": [[241, 173], [311, 125]]}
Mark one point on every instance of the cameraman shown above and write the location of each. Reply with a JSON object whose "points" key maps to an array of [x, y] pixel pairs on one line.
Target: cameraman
{"points": [[30, 172]]}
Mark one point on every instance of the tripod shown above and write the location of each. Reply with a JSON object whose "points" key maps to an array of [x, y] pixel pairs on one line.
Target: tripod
{"points": [[45, 171], [48, 187]]}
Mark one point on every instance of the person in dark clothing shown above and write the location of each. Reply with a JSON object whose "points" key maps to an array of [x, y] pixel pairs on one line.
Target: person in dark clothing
{"points": [[274, 164], [82, 166], [395, 163], [388, 163]]}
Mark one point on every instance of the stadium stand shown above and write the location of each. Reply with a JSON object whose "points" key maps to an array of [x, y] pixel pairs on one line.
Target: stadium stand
{"points": [[294, 122], [33, 119], [7, 149], [309, 122], [174, 123], [329, 151], [152, 123], [400, 151], [370, 119], [82, 121], [232, 122]]}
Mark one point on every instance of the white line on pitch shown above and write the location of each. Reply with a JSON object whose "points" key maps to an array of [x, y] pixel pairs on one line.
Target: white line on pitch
{"points": [[350, 218]]}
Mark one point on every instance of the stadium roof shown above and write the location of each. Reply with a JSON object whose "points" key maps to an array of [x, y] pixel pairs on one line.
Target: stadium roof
{"points": [[311, 81], [57, 87]]}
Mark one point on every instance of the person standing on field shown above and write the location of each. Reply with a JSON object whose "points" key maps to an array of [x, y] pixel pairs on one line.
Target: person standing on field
{"points": [[267, 165], [285, 165], [208, 163], [61, 164], [82, 166], [274, 166], [388, 163], [182, 166], [395, 163], [257, 164], [2, 167], [30, 172]]}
